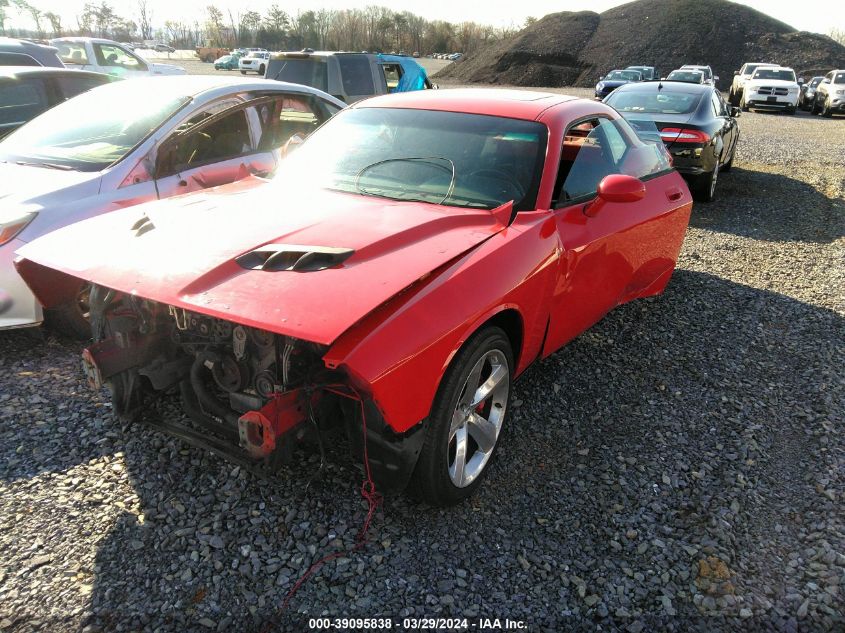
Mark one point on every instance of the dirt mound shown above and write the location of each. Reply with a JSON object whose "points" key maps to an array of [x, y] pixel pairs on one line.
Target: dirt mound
{"points": [[575, 48]]}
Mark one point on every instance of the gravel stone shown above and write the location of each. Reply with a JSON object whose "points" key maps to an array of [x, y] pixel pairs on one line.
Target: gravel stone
{"points": [[685, 455]]}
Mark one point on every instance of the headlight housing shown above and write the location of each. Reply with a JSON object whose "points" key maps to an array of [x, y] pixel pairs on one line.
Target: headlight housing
{"points": [[840, 92], [600, 86], [13, 223]]}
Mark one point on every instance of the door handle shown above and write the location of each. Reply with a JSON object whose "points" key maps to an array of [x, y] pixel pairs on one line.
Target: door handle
{"points": [[674, 194]]}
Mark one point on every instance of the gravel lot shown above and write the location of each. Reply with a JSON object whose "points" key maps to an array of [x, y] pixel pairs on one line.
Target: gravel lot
{"points": [[679, 467]]}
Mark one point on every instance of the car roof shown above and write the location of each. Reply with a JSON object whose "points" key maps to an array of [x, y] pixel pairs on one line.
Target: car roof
{"points": [[665, 86], [212, 86], [22, 71], [516, 104], [80, 40]]}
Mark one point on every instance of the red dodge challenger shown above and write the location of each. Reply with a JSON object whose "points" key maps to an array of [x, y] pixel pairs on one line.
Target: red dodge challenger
{"points": [[413, 256]]}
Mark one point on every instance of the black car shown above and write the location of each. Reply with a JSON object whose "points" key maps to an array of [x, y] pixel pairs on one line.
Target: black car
{"points": [[807, 96], [27, 91], [14, 52], [698, 127], [615, 78]]}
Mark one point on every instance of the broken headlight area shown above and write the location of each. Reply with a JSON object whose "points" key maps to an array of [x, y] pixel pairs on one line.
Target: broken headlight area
{"points": [[252, 395]]}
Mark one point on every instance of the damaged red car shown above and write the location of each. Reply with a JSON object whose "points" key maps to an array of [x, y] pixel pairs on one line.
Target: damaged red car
{"points": [[412, 258]]}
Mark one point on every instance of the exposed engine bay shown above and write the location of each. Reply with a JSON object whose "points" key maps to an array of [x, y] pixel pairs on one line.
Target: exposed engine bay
{"points": [[251, 388]]}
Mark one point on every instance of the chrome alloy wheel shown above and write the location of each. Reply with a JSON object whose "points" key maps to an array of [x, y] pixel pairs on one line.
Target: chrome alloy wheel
{"points": [[477, 418]]}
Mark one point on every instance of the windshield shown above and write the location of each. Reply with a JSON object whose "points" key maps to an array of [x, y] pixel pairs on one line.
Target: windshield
{"points": [[702, 69], [839, 78], [107, 123], [306, 71], [691, 76], [816, 81], [449, 158], [623, 75], [774, 73], [654, 102]]}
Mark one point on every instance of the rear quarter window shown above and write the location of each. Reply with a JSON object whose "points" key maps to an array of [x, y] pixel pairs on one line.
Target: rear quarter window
{"points": [[21, 100], [17, 59], [356, 74]]}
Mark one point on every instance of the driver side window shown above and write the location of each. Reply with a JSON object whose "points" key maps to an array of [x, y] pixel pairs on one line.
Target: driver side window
{"points": [[592, 149], [115, 56], [220, 139]]}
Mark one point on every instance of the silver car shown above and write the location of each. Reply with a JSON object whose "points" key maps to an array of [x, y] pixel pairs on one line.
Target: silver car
{"points": [[134, 141]]}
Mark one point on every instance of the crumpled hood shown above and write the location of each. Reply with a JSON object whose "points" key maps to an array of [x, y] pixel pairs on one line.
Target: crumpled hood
{"points": [[183, 252], [23, 187], [166, 69]]}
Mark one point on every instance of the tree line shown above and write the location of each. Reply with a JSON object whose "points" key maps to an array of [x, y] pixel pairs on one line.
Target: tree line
{"points": [[373, 28]]}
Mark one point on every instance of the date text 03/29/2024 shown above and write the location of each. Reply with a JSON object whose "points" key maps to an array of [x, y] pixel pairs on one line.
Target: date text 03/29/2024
{"points": [[417, 624]]}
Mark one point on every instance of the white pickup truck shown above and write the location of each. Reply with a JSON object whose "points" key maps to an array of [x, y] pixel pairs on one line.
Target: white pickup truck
{"points": [[111, 58]]}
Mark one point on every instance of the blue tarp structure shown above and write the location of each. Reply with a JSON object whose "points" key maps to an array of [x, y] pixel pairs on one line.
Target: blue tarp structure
{"points": [[413, 75]]}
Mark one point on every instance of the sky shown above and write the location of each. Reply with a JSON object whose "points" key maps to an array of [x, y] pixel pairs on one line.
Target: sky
{"points": [[819, 16]]}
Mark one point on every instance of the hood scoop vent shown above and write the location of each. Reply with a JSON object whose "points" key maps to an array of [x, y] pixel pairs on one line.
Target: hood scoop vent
{"points": [[279, 257]]}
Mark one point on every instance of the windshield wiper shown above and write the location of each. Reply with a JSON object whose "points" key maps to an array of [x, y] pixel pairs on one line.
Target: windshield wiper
{"points": [[45, 165], [449, 191]]}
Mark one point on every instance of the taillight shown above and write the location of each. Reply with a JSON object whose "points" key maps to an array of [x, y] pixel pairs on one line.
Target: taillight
{"points": [[683, 135]]}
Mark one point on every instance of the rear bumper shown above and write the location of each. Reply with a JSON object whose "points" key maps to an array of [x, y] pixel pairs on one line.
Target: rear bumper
{"points": [[838, 105], [692, 160]]}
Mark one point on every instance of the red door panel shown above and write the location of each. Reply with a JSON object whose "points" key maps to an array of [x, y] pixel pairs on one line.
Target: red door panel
{"points": [[617, 255]]}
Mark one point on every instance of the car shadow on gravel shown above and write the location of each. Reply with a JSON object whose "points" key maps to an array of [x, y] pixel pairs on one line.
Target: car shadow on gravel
{"points": [[659, 467], [773, 207]]}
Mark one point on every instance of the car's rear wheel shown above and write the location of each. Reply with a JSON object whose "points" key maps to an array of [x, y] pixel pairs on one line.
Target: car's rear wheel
{"points": [[733, 98], [705, 187], [72, 318], [466, 420]]}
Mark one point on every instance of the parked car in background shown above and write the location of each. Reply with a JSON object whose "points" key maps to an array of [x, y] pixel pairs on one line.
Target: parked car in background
{"points": [[709, 77], [699, 129], [741, 76], [349, 76], [163, 48], [22, 53], [27, 91], [255, 62], [771, 88], [615, 78], [518, 218], [807, 93], [227, 62], [134, 141], [687, 76], [649, 73], [830, 94], [109, 57]]}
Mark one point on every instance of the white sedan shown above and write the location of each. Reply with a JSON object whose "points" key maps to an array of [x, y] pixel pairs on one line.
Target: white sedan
{"points": [[133, 141]]}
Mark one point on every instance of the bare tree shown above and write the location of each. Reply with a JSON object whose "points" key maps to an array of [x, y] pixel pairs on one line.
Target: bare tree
{"points": [[837, 35], [55, 21], [145, 18]]}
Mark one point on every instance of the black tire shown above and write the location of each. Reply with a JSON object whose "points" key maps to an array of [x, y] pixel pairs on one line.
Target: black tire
{"points": [[243, 72], [431, 481], [814, 109], [261, 70], [71, 318], [729, 165], [742, 104], [826, 111], [705, 185], [733, 99]]}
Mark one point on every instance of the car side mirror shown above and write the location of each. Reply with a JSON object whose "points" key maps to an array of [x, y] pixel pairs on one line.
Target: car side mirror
{"points": [[616, 188], [736, 72], [715, 77], [800, 80], [735, 112], [292, 143]]}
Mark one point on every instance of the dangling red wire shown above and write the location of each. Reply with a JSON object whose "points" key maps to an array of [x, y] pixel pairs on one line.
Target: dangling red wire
{"points": [[368, 492]]}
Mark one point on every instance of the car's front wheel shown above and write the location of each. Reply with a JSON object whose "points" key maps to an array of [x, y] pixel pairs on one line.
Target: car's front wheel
{"points": [[826, 111], [243, 72], [72, 318], [466, 420], [261, 69]]}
